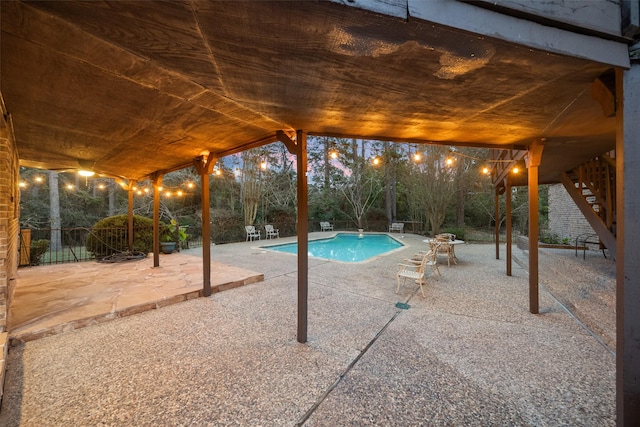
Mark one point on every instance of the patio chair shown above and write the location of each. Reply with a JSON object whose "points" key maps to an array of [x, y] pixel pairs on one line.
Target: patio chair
{"points": [[396, 227], [326, 226], [416, 272], [443, 247], [252, 233], [271, 232], [417, 258]]}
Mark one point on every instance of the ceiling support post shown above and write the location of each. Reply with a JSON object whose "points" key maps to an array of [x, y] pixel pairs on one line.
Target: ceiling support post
{"points": [[132, 183], [299, 149], [509, 225], [303, 235], [534, 156], [204, 166], [497, 221], [156, 181], [628, 250]]}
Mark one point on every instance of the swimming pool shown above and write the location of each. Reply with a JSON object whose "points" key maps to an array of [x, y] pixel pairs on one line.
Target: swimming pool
{"points": [[346, 247]]}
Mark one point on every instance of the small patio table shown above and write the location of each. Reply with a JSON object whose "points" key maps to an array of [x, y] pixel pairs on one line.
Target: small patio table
{"points": [[451, 245]]}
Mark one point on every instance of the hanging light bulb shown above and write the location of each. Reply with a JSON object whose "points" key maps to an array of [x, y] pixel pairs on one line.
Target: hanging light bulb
{"points": [[218, 172], [263, 165], [333, 154], [101, 186], [22, 184], [449, 161], [376, 161], [39, 179], [515, 169], [486, 170], [190, 185], [417, 157]]}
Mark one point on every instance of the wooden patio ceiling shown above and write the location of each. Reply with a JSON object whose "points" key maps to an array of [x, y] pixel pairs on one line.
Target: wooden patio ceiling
{"points": [[132, 87]]}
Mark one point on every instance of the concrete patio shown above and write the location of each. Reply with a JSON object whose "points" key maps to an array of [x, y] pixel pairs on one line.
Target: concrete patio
{"points": [[468, 354]]}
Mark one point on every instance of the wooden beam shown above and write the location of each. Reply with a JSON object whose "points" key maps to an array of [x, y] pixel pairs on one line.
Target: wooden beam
{"points": [[513, 146], [502, 175], [497, 226], [206, 235], [287, 141], [303, 235], [533, 162], [132, 184], [509, 226], [156, 181]]}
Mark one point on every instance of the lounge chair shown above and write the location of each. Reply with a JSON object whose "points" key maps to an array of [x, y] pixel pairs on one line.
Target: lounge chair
{"points": [[326, 226], [271, 232], [252, 233], [416, 272]]}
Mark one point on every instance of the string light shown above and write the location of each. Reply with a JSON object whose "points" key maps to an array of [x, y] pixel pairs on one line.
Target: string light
{"points": [[449, 161], [515, 169], [218, 172], [376, 161], [101, 186], [486, 170], [69, 186], [22, 184], [263, 165], [190, 185], [417, 157], [38, 179]]}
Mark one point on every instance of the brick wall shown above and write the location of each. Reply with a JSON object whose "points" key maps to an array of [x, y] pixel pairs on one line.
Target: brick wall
{"points": [[9, 227], [565, 218]]}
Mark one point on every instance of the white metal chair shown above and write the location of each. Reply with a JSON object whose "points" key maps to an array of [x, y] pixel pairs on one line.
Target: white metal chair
{"points": [[271, 232], [326, 226], [416, 272], [252, 233], [396, 227]]}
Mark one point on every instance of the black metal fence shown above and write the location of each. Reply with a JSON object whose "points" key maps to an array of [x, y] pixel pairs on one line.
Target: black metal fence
{"points": [[37, 247], [44, 246]]}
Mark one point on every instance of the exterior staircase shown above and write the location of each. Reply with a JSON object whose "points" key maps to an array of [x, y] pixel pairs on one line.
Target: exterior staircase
{"points": [[592, 186]]}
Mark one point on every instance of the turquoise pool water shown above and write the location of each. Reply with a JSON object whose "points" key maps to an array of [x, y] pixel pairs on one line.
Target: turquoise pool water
{"points": [[345, 247]]}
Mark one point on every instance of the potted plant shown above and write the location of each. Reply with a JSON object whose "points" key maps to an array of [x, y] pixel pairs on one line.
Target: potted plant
{"points": [[171, 235], [167, 244]]}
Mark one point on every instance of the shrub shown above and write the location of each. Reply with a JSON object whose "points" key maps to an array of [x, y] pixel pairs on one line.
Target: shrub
{"points": [[37, 250], [111, 235]]}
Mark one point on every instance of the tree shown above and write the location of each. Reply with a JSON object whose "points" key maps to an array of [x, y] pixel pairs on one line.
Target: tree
{"points": [[251, 183], [361, 187], [431, 186]]}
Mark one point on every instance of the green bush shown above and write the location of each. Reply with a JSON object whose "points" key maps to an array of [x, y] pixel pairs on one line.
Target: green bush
{"points": [[37, 250], [111, 235]]}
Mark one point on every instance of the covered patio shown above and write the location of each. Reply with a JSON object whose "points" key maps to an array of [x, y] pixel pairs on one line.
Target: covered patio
{"points": [[134, 90], [48, 300], [468, 353]]}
